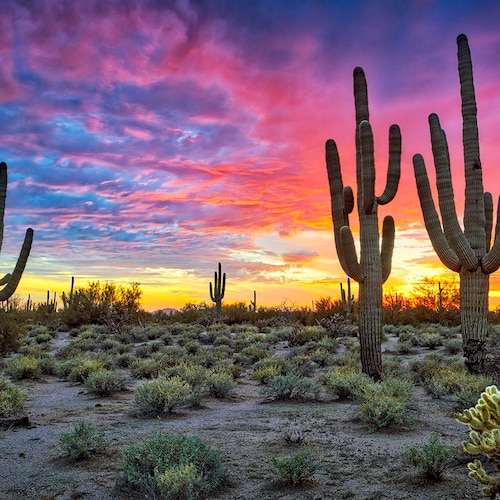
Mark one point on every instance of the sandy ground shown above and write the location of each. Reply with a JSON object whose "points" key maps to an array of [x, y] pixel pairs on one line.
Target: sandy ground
{"points": [[355, 463]]}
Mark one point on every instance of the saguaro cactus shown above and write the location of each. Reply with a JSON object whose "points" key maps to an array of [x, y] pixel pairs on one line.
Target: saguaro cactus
{"points": [[374, 265], [347, 299], [466, 251], [217, 291], [12, 280]]}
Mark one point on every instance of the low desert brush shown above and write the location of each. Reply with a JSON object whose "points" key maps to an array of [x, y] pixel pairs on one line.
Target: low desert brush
{"points": [[105, 382], [83, 441], [11, 399], [297, 467], [161, 395], [173, 466], [431, 458]]}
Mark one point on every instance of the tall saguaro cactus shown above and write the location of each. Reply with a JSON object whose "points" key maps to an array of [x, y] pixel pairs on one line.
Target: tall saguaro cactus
{"points": [[217, 291], [374, 266], [12, 280], [467, 251]]}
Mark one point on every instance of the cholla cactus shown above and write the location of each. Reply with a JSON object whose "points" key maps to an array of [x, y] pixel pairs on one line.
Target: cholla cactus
{"points": [[374, 265], [466, 251], [484, 421], [12, 280]]}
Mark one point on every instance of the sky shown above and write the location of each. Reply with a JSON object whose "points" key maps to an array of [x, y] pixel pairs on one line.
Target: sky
{"points": [[147, 141]]}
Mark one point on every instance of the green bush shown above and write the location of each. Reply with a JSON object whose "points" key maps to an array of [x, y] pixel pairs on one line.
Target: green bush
{"points": [[292, 386], [345, 385], [81, 370], [296, 468], [267, 368], [220, 383], [430, 458], [386, 402], [173, 466], [83, 441], [11, 399], [105, 382], [181, 482], [161, 395], [452, 346], [22, 367]]}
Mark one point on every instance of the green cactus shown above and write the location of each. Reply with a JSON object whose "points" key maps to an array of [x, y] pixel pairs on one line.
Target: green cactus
{"points": [[68, 301], [374, 266], [253, 303], [217, 291], [347, 300], [51, 305], [468, 251], [484, 422], [12, 280]]}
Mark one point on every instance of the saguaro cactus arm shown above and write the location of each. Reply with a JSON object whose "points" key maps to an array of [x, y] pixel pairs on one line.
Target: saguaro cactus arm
{"points": [[394, 167], [350, 262], [12, 280], [388, 233], [431, 219], [452, 229]]}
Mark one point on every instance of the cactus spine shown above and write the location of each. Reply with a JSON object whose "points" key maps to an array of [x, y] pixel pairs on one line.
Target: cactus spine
{"points": [[374, 266], [466, 251], [347, 300], [217, 291], [12, 280]]}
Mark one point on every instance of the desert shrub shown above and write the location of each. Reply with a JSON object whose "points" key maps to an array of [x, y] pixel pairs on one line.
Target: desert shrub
{"points": [[252, 353], [393, 368], [385, 403], [220, 383], [81, 370], [197, 377], [424, 369], [83, 441], [173, 466], [11, 399], [345, 385], [105, 382], [404, 347], [431, 458], [393, 330], [11, 330], [301, 336], [292, 386], [145, 368], [161, 395], [109, 304], [21, 367], [430, 340], [181, 482], [452, 346], [267, 368], [296, 468]]}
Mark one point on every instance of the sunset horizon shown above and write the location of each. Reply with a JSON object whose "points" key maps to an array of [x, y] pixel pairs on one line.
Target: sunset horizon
{"points": [[148, 141]]}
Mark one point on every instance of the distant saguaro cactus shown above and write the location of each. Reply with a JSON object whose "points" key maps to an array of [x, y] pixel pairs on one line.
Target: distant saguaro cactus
{"points": [[217, 291], [347, 299], [466, 251], [253, 303], [374, 266], [12, 280]]}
